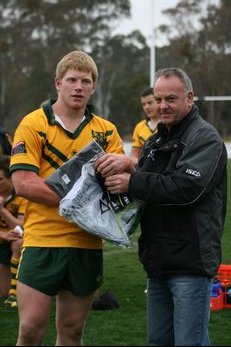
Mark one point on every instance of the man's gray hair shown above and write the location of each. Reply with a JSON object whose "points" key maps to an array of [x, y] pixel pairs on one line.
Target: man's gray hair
{"points": [[180, 73]]}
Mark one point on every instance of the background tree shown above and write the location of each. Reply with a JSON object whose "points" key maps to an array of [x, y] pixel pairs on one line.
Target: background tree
{"points": [[123, 64], [34, 35], [200, 43]]}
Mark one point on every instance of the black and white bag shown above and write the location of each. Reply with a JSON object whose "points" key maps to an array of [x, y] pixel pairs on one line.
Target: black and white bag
{"points": [[86, 202]]}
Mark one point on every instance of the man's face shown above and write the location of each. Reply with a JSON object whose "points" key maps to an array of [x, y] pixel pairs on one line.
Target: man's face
{"points": [[75, 88], [149, 105], [173, 103], [5, 184]]}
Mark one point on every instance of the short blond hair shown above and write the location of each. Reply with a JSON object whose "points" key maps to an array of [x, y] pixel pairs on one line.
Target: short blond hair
{"points": [[77, 60]]}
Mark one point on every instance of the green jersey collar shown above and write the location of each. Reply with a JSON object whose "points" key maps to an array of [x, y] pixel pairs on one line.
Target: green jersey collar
{"points": [[47, 108]]}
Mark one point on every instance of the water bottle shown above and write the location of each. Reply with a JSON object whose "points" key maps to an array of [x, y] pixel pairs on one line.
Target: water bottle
{"points": [[18, 229]]}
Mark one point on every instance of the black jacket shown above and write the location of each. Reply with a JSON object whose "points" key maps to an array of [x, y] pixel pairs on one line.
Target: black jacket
{"points": [[182, 179]]}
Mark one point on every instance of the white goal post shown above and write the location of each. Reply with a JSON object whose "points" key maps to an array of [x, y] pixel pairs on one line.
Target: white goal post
{"points": [[212, 98]]}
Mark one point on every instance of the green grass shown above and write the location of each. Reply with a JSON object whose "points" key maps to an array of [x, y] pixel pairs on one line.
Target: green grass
{"points": [[125, 326]]}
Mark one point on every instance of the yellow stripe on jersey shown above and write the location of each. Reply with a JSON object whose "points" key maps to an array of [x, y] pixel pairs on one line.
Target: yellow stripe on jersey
{"points": [[42, 145]]}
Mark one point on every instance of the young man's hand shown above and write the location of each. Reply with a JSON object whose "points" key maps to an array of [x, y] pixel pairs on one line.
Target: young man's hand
{"points": [[10, 235]]}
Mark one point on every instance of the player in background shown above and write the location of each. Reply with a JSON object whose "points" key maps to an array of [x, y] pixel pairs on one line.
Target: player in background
{"points": [[12, 209], [146, 127]]}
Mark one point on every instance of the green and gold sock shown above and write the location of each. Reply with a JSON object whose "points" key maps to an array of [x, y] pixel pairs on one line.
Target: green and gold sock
{"points": [[13, 269]]}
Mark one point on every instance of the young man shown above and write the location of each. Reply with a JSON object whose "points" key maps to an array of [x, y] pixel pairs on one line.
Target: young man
{"points": [[182, 180], [145, 128], [12, 209], [59, 258]]}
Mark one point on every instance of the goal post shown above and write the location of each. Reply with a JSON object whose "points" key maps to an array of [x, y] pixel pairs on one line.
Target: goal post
{"points": [[212, 98]]}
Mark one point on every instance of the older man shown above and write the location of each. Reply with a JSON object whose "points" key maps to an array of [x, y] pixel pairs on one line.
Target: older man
{"points": [[181, 178]]}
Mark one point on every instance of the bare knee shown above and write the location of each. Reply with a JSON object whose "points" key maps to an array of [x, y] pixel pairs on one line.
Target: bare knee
{"points": [[69, 332], [30, 335]]}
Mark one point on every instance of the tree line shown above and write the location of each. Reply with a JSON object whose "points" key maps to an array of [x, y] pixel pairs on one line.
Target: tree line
{"points": [[35, 34]]}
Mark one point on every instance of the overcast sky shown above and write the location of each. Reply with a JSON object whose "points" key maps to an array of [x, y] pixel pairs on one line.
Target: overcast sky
{"points": [[141, 17]]}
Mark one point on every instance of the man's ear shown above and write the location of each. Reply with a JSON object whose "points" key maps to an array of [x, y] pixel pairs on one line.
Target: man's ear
{"points": [[190, 97], [93, 91], [57, 84]]}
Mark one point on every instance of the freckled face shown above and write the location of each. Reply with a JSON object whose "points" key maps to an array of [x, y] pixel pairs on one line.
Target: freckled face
{"points": [[75, 88]]}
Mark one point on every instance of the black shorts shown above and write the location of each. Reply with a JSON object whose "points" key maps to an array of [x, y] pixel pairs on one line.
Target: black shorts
{"points": [[50, 270], [5, 253]]}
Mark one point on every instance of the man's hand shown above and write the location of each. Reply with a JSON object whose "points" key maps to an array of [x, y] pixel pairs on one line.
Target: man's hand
{"points": [[111, 164], [10, 235], [117, 184]]}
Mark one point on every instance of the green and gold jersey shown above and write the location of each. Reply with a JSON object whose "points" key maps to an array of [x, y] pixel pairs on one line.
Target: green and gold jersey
{"points": [[42, 145], [141, 133], [16, 205]]}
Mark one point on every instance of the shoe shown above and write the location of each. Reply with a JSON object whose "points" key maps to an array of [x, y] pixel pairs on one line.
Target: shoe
{"points": [[11, 301], [106, 301]]}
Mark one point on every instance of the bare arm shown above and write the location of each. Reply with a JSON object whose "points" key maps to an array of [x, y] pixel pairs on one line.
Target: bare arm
{"points": [[32, 187], [9, 218]]}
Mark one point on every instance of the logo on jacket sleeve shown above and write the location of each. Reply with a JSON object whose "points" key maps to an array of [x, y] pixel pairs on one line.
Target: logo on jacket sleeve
{"points": [[193, 172]]}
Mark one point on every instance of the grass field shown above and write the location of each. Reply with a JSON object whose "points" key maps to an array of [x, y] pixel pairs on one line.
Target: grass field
{"points": [[126, 326]]}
